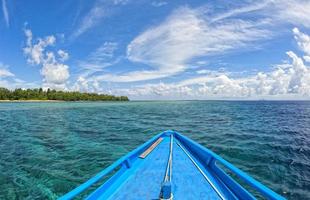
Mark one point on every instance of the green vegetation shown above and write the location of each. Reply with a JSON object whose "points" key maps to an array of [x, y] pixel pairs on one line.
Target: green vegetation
{"points": [[40, 94]]}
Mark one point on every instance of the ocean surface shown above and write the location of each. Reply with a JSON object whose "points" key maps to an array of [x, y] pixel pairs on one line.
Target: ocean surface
{"points": [[47, 149]]}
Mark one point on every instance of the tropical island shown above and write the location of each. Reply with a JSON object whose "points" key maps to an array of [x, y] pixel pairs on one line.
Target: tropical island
{"points": [[38, 94]]}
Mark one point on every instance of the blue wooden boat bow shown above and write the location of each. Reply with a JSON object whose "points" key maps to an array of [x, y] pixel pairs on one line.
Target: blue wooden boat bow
{"points": [[171, 166]]}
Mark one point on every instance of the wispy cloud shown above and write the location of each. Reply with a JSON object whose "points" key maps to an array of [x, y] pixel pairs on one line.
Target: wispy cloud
{"points": [[95, 16], [190, 33], [255, 7], [97, 61], [9, 80], [296, 12], [185, 34], [5, 13], [171, 47], [120, 2], [159, 3], [101, 57], [91, 19], [4, 71]]}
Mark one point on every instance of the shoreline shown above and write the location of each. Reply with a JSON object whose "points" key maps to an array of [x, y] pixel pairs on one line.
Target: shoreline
{"points": [[3, 101], [49, 101]]}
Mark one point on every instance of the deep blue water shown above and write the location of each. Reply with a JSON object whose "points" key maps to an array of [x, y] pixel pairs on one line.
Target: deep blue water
{"points": [[46, 149]]}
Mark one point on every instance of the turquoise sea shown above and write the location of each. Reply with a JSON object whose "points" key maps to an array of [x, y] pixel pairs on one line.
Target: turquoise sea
{"points": [[47, 149]]}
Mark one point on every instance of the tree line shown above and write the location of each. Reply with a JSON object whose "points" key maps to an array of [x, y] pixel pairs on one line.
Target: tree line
{"points": [[40, 94]]}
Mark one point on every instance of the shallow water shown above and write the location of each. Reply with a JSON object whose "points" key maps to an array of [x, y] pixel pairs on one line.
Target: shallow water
{"points": [[46, 149]]}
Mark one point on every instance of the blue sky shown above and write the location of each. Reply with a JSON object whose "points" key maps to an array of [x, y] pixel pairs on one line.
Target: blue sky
{"points": [[158, 49]]}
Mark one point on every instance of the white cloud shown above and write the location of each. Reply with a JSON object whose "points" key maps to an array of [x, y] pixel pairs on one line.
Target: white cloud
{"points": [[303, 42], [85, 85], [36, 51], [5, 13], [54, 72], [299, 76]]}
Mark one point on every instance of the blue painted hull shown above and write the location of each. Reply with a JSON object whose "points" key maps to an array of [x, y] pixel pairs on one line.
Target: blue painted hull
{"points": [[178, 165]]}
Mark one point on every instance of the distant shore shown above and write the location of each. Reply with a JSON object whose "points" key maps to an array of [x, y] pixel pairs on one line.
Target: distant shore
{"points": [[51, 101], [48, 95], [34, 100]]}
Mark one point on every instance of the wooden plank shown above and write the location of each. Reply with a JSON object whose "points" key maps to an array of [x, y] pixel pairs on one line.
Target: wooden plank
{"points": [[151, 148]]}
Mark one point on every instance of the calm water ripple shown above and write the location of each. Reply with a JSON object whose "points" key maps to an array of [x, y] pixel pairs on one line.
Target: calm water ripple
{"points": [[46, 149]]}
